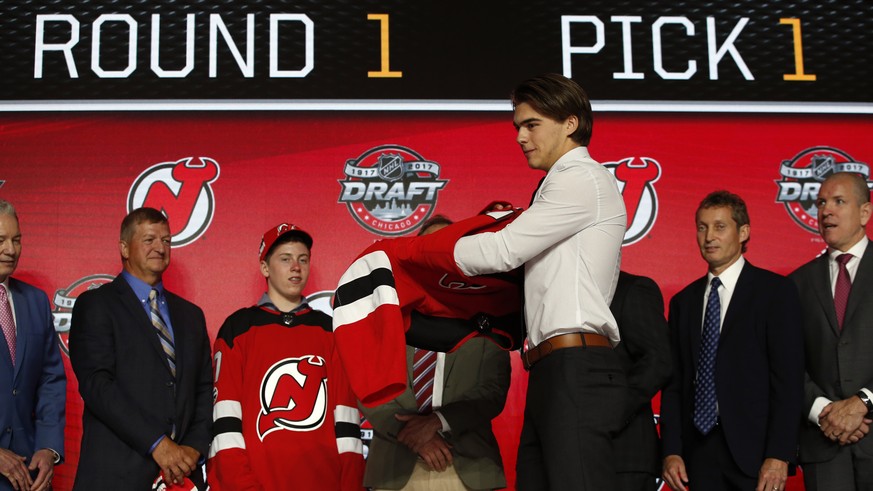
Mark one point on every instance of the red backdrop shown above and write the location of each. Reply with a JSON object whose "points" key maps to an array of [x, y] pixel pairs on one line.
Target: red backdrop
{"points": [[70, 176]]}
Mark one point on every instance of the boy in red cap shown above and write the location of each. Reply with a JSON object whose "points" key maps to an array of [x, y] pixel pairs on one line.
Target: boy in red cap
{"points": [[284, 415]]}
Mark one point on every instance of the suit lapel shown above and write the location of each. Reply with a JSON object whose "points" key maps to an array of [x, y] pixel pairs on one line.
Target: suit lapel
{"points": [[821, 285], [741, 298], [22, 319], [863, 277], [409, 395], [447, 369], [179, 332], [137, 313], [696, 320]]}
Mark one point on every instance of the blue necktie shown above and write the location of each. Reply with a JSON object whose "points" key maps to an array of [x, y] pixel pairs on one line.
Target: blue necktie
{"points": [[704, 397]]}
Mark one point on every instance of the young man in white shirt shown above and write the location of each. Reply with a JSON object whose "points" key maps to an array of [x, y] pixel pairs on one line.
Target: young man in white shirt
{"points": [[569, 242]]}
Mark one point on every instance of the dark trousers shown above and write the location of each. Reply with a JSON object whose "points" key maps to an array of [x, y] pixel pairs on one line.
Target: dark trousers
{"points": [[637, 481], [575, 398], [711, 466], [850, 470]]}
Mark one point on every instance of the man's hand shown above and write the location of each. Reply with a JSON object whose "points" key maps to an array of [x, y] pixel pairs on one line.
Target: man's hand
{"points": [[496, 206], [772, 476], [840, 420], [44, 460], [859, 433], [176, 461], [12, 467], [436, 453], [418, 430], [674, 473]]}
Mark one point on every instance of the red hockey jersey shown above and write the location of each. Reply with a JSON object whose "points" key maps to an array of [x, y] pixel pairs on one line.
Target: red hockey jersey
{"points": [[392, 278], [284, 415]]}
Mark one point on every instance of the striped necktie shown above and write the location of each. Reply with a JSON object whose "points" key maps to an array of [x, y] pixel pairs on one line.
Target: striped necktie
{"points": [[7, 321], [423, 367], [162, 330]]}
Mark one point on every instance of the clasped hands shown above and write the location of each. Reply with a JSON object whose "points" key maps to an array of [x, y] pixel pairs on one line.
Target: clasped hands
{"points": [[421, 435], [176, 461], [845, 421], [13, 468]]}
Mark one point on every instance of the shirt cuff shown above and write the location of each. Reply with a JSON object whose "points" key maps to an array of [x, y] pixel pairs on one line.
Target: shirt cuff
{"points": [[817, 406], [868, 392], [57, 456], [446, 428], [155, 445]]}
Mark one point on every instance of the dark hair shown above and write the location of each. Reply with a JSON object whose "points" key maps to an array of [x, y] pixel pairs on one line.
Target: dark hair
{"points": [[434, 220], [137, 216], [858, 183], [557, 97], [726, 199]]}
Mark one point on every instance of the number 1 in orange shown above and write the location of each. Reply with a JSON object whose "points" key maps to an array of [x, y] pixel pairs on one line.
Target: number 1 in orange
{"points": [[385, 71], [798, 74]]}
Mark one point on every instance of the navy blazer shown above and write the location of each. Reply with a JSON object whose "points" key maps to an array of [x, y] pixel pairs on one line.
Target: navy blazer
{"points": [[759, 369], [638, 307], [33, 392], [131, 397]]}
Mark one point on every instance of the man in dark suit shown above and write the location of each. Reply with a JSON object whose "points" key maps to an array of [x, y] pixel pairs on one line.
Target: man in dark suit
{"points": [[730, 414], [453, 443], [32, 382], [143, 361], [836, 451], [638, 308]]}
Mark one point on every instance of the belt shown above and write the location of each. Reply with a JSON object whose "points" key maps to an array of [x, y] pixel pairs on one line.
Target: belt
{"points": [[571, 340]]}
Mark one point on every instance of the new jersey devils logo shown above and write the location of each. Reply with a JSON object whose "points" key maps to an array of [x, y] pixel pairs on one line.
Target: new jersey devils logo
{"points": [[293, 395], [182, 191], [65, 299], [637, 184]]}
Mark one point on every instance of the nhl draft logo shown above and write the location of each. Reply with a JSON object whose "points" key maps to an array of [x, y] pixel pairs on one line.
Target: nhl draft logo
{"points": [[636, 181], [182, 191], [802, 177], [391, 190], [64, 300], [293, 396]]}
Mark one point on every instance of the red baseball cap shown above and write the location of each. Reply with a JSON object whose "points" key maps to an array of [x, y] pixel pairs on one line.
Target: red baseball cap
{"points": [[271, 236]]}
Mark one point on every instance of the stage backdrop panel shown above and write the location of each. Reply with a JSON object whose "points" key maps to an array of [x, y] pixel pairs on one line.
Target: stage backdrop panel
{"points": [[224, 178]]}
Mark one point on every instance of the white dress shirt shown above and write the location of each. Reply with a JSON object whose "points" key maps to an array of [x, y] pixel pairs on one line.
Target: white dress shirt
{"points": [[569, 241], [728, 279], [857, 251]]}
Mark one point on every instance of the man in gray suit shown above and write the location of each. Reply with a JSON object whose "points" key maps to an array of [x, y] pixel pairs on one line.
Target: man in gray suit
{"points": [[453, 443], [837, 292]]}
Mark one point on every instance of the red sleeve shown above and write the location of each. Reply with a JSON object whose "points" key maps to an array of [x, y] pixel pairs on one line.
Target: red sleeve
{"points": [[368, 325], [347, 421], [228, 467]]}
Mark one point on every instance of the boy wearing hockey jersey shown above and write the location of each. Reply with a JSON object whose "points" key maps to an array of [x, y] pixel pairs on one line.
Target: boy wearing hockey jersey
{"points": [[285, 417]]}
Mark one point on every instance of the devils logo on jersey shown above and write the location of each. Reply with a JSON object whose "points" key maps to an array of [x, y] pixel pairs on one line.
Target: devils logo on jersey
{"points": [[293, 395]]}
